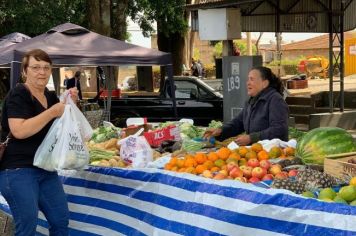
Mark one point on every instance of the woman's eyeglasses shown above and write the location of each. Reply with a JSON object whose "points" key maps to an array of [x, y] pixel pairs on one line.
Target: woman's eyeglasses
{"points": [[37, 68]]}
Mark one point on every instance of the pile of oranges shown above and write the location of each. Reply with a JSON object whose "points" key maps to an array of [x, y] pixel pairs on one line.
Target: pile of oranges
{"points": [[216, 161]]}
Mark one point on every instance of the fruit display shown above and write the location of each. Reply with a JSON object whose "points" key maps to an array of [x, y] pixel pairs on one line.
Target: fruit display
{"points": [[320, 142], [243, 164], [345, 195]]}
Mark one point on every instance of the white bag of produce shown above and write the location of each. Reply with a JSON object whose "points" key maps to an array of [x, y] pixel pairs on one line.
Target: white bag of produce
{"points": [[135, 150], [63, 146], [85, 128]]}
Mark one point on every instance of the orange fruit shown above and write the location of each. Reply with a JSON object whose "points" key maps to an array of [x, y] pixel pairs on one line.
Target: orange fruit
{"points": [[353, 181], [242, 151], [235, 156], [215, 169], [223, 153], [174, 168], [256, 147], [289, 151], [188, 156], [180, 163], [262, 155], [250, 155], [173, 161], [209, 164], [275, 152], [212, 156], [200, 157], [182, 170], [190, 162], [200, 169], [190, 170], [168, 166]]}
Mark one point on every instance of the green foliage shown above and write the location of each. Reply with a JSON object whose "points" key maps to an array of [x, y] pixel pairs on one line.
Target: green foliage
{"points": [[169, 15], [33, 17], [240, 44], [218, 49], [196, 54], [287, 61]]}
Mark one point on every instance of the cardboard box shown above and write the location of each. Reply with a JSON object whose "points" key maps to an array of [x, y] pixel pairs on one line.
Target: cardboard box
{"points": [[340, 168], [134, 128], [156, 137], [297, 84]]}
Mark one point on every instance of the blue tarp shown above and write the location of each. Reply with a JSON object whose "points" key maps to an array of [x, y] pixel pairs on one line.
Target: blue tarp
{"points": [[107, 201]]}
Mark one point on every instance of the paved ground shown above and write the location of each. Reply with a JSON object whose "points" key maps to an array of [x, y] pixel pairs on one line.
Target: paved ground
{"points": [[317, 85], [6, 227]]}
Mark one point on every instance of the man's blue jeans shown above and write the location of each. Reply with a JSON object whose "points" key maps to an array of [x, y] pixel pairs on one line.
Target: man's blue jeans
{"points": [[28, 190]]}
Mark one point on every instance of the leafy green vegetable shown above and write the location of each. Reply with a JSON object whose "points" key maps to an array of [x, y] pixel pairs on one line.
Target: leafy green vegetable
{"points": [[215, 124]]}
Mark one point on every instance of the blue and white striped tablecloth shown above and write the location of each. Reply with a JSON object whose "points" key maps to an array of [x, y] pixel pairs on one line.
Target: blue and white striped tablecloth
{"points": [[105, 201]]}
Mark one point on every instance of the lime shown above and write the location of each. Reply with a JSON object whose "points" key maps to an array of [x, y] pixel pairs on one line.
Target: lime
{"points": [[327, 193], [353, 203], [339, 200], [348, 193], [308, 194], [326, 199]]}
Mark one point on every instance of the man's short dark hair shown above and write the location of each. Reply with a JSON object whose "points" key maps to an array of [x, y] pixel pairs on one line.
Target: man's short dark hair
{"points": [[77, 74]]}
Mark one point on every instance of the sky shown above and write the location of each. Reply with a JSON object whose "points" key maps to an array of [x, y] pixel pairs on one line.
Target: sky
{"points": [[138, 39]]}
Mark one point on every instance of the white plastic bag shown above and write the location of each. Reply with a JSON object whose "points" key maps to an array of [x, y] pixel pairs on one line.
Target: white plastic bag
{"points": [[136, 150], [84, 127], [63, 146]]}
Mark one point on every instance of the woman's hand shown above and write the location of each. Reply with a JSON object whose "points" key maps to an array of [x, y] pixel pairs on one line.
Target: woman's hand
{"points": [[212, 132], [74, 94], [243, 140], [57, 109]]}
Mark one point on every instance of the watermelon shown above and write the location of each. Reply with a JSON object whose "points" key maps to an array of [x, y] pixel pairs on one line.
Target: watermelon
{"points": [[323, 141]]}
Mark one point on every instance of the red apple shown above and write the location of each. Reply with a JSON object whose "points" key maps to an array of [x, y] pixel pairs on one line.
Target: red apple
{"points": [[265, 164], [253, 162], [253, 180], [268, 177], [241, 179], [275, 169], [236, 172], [231, 165], [258, 172], [247, 171], [292, 173]]}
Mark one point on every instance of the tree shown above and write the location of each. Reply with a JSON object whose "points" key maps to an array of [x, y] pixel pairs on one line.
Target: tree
{"points": [[171, 25], [33, 17]]}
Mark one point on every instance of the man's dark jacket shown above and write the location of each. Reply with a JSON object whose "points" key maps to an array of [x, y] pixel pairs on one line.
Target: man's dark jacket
{"points": [[263, 117], [71, 83]]}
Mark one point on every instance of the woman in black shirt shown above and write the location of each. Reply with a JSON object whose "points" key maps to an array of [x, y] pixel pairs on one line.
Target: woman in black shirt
{"points": [[28, 113]]}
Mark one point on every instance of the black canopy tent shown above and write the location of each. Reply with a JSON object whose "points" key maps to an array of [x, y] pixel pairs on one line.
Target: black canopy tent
{"points": [[69, 44]]}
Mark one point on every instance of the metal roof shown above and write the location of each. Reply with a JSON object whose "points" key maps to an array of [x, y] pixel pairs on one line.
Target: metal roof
{"points": [[294, 15]]}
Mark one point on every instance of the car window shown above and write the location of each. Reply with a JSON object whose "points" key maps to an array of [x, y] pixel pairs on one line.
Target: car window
{"points": [[186, 90]]}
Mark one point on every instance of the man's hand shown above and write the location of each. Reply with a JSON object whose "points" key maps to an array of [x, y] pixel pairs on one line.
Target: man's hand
{"points": [[74, 94]]}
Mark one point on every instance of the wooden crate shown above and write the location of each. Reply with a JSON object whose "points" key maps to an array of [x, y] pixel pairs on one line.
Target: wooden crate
{"points": [[340, 168]]}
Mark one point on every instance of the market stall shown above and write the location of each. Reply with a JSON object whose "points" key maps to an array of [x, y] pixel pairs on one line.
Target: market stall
{"points": [[107, 201]]}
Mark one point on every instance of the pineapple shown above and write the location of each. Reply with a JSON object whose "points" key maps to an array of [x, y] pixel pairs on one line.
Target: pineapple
{"points": [[288, 184], [314, 179]]}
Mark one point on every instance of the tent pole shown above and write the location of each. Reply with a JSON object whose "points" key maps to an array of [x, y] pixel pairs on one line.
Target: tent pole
{"points": [[169, 71], [15, 73]]}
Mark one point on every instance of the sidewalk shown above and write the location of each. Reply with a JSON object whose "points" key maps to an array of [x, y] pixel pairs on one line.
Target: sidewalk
{"points": [[318, 85]]}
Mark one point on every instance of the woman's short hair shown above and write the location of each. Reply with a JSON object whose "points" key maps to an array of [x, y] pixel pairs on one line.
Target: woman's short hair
{"points": [[38, 54]]}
